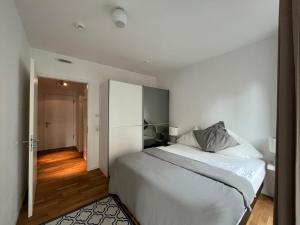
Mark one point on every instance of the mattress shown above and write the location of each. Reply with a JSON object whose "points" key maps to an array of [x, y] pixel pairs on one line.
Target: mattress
{"points": [[251, 169], [159, 187]]}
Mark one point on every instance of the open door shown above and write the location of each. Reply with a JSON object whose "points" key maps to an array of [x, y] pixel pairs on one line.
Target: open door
{"points": [[33, 101]]}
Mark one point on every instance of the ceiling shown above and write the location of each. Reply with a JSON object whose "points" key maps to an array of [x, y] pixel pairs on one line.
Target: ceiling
{"points": [[167, 34]]}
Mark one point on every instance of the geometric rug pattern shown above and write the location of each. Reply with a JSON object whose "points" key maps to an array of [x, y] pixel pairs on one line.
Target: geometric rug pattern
{"points": [[102, 212]]}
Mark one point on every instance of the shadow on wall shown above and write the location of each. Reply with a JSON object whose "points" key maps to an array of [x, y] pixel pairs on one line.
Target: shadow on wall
{"points": [[23, 126]]}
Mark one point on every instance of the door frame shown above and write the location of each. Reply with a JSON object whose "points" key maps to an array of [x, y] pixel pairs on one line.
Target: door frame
{"points": [[81, 131], [45, 119], [89, 138]]}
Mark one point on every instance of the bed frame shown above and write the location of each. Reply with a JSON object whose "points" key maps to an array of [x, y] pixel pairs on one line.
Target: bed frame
{"points": [[247, 214], [243, 221]]}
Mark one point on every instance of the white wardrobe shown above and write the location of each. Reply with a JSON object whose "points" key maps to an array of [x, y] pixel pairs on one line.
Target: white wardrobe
{"points": [[121, 121]]}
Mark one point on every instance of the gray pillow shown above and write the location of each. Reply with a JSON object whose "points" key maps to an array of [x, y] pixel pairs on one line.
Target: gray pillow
{"points": [[214, 138]]}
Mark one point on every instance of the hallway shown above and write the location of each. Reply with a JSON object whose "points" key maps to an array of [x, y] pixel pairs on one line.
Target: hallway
{"points": [[63, 184]]}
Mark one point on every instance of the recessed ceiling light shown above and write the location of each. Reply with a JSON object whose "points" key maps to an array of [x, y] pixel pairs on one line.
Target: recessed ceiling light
{"points": [[63, 83], [79, 26]]}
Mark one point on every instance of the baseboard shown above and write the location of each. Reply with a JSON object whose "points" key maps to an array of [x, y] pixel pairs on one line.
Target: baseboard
{"points": [[78, 149], [56, 149], [92, 168]]}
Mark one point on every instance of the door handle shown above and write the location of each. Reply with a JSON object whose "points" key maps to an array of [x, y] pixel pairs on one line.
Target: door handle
{"points": [[47, 123], [31, 141]]}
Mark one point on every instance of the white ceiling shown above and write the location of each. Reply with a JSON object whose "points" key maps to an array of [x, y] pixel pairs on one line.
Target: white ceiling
{"points": [[169, 33]]}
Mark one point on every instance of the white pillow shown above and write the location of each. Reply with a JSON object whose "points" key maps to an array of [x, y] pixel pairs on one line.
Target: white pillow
{"points": [[243, 150], [188, 139]]}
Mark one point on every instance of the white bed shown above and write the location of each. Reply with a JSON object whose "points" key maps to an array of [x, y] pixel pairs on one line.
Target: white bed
{"points": [[177, 184], [252, 169]]}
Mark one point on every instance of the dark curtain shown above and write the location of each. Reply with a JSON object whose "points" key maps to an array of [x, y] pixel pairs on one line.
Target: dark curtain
{"points": [[288, 113]]}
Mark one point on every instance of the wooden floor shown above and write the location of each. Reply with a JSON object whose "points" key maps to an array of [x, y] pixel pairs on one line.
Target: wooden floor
{"points": [[64, 185], [262, 213]]}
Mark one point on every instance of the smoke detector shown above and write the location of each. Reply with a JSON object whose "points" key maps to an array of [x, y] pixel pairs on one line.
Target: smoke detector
{"points": [[119, 17]]}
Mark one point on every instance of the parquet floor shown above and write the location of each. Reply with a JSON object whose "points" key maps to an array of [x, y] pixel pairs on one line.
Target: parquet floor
{"points": [[64, 185], [262, 213]]}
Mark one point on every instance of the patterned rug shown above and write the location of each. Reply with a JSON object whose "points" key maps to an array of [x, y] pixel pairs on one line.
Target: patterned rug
{"points": [[107, 211]]}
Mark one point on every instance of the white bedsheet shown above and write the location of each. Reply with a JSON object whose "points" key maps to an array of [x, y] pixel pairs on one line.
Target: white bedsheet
{"points": [[251, 169]]}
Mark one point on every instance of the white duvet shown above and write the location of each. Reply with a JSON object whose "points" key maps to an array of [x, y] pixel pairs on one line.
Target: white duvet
{"points": [[251, 169]]}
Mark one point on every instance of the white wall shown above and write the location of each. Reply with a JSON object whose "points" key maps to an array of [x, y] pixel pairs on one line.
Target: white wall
{"points": [[238, 87], [14, 93], [94, 74]]}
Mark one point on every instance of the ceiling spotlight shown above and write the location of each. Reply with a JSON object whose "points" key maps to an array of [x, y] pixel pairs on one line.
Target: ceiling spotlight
{"points": [[63, 83], [79, 26], [119, 17]]}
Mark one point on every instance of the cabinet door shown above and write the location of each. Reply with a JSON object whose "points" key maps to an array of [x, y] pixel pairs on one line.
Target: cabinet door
{"points": [[156, 106], [124, 140], [125, 104], [156, 117]]}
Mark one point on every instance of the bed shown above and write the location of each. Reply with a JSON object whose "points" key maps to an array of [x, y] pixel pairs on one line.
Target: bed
{"points": [[181, 185]]}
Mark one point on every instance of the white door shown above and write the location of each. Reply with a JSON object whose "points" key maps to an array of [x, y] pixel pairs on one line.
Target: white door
{"points": [[59, 121], [33, 101]]}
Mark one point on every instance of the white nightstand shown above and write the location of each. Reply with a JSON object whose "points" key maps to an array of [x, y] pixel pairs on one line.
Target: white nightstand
{"points": [[271, 167]]}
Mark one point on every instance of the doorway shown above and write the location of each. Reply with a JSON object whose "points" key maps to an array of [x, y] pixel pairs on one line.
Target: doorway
{"points": [[58, 180], [62, 116], [62, 130]]}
